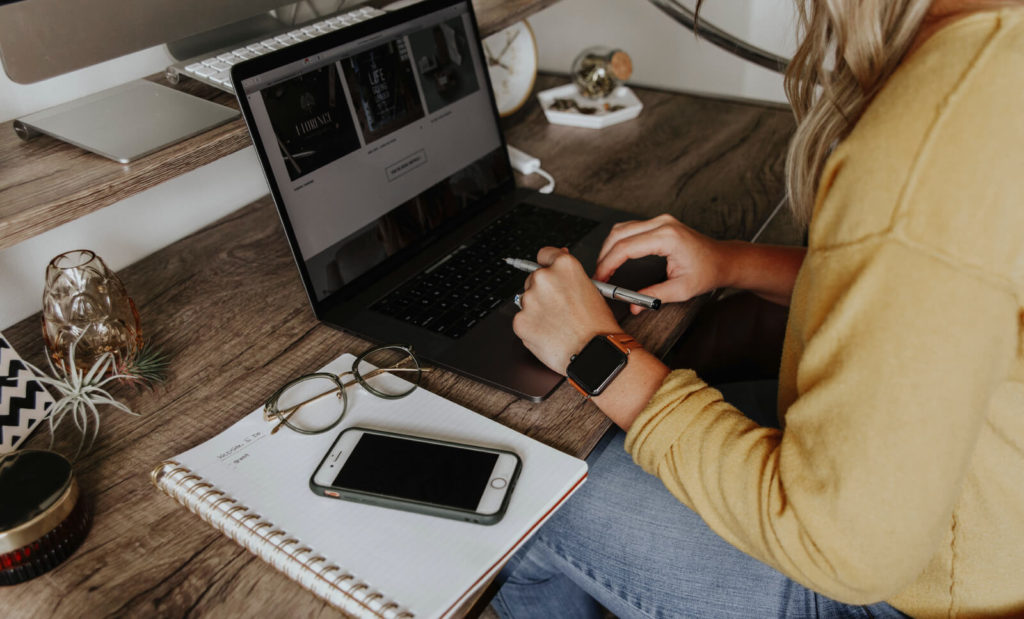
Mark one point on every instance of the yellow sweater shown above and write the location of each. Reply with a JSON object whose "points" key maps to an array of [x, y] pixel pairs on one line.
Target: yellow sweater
{"points": [[899, 475]]}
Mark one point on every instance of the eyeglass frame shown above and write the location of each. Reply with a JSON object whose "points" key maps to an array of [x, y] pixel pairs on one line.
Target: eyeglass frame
{"points": [[272, 413]]}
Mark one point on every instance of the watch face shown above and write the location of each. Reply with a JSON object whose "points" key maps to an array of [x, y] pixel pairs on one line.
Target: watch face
{"points": [[597, 364]]}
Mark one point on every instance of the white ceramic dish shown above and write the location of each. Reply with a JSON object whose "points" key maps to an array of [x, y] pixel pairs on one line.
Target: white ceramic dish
{"points": [[601, 118]]}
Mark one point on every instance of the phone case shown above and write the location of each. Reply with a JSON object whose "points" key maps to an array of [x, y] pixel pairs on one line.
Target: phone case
{"points": [[418, 507]]}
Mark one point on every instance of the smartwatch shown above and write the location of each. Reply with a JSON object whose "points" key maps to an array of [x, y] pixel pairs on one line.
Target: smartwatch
{"points": [[600, 361]]}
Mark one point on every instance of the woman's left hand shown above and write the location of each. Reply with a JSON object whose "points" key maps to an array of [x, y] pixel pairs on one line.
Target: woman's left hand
{"points": [[561, 309]]}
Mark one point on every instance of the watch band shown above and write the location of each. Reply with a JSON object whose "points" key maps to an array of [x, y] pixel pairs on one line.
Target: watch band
{"points": [[623, 341]]}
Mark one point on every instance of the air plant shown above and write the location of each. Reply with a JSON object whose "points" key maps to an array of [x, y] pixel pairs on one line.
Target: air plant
{"points": [[81, 394], [147, 368]]}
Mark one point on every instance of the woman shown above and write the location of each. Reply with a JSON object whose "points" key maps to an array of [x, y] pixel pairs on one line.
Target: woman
{"points": [[895, 480]]}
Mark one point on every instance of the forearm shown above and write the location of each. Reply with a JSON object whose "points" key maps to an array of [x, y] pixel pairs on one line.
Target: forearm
{"points": [[768, 271], [632, 389]]}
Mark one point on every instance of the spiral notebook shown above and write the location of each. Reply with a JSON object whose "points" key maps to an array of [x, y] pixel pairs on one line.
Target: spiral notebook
{"points": [[365, 560]]}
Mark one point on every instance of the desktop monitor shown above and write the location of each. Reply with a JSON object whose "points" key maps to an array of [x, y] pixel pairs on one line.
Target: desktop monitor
{"points": [[44, 38], [40, 39]]}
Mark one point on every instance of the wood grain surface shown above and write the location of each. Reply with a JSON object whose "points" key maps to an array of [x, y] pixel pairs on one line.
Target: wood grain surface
{"points": [[226, 303], [45, 182]]}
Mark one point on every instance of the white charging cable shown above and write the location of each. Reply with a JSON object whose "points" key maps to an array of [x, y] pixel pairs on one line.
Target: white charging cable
{"points": [[528, 164]]}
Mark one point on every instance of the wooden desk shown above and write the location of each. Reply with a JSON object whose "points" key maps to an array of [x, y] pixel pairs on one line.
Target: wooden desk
{"points": [[227, 305]]}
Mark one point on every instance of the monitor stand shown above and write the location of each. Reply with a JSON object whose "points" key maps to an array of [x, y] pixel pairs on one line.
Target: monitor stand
{"points": [[128, 121]]}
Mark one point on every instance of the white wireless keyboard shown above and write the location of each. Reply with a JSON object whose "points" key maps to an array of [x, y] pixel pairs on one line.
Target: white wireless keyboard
{"points": [[216, 69]]}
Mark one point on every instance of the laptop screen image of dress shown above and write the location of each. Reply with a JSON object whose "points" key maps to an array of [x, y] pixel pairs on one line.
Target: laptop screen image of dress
{"points": [[377, 143]]}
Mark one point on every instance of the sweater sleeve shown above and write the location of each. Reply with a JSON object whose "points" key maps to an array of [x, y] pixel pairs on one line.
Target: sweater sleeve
{"points": [[902, 351]]}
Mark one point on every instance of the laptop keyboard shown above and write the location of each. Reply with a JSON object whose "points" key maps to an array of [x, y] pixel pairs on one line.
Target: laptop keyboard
{"points": [[464, 287]]}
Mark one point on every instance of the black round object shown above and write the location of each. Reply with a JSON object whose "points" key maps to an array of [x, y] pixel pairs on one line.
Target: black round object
{"points": [[42, 517]]}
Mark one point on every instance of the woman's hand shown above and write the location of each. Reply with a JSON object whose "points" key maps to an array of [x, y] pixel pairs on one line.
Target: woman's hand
{"points": [[561, 311], [694, 260]]}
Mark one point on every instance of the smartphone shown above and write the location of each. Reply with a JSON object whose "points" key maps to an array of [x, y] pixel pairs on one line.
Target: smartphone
{"points": [[422, 475]]}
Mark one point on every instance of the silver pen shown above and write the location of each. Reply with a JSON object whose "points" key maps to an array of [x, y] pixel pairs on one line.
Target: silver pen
{"points": [[609, 291]]}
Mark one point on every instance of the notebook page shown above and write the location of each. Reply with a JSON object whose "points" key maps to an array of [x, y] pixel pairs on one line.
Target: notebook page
{"points": [[422, 562]]}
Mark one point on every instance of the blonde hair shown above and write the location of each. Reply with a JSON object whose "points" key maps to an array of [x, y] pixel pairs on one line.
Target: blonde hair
{"points": [[849, 48]]}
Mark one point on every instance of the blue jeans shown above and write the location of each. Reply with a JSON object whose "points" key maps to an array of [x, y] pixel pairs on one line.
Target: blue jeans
{"points": [[625, 543]]}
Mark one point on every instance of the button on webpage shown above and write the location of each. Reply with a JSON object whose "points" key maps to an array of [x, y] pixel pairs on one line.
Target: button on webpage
{"points": [[407, 164]]}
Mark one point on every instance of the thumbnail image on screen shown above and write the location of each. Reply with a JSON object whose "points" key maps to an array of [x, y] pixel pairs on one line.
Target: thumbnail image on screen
{"points": [[445, 63], [383, 88], [311, 120]]}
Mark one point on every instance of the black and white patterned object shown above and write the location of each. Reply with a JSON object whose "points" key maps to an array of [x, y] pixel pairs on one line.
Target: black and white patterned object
{"points": [[24, 402]]}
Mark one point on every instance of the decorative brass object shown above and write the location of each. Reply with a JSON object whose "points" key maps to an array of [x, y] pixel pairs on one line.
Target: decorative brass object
{"points": [[598, 71]]}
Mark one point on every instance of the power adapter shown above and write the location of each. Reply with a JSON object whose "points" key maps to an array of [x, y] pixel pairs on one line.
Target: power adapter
{"points": [[521, 162], [528, 164]]}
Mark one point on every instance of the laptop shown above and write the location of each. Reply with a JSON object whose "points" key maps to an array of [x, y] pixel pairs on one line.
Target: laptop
{"points": [[382, 148]]}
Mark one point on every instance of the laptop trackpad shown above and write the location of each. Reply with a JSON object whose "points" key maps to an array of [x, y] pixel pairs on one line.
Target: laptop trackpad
{"points": [[498, 357]]}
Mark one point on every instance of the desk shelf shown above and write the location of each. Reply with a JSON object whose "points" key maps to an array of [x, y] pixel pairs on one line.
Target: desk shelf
{"points": [[45, 183]]}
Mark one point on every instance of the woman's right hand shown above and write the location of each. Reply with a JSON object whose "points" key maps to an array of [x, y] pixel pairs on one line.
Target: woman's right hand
{"points": [[695, 262]]}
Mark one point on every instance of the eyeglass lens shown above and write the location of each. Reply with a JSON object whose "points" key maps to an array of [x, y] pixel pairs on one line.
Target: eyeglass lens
{"points": [[312, 404], [388, 371]]}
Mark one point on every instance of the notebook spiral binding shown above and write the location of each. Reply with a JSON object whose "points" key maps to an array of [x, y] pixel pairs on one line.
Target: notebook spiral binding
{"points": [[300, 563]]}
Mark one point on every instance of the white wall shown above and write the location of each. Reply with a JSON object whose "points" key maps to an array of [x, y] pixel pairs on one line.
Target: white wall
{"points": [[664, 55]]}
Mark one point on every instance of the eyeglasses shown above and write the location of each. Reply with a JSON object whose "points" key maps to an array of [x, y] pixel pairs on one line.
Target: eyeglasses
{"points": [[305, 406]]}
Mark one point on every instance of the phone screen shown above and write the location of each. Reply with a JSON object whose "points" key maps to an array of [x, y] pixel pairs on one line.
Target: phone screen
{"points": [[416, 470]]}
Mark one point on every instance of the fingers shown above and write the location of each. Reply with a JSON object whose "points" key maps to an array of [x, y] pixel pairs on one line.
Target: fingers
{"points": [[545, 258], [650, 243], [546, 255], [627, 229]]}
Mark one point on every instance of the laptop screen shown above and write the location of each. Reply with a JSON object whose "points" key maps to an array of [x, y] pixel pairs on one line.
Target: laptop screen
{"points": [[377, 143]]}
